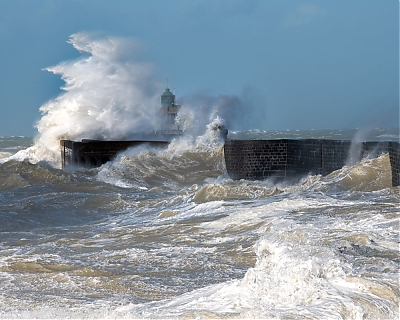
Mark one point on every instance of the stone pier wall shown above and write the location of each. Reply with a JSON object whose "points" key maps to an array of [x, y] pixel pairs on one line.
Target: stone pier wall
{"points": [[394, 155], [286, 158], [256, 159], [93, 153]]}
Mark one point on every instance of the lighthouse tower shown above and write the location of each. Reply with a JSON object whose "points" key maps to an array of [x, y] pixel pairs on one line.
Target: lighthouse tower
{"points": [[169, 111]]}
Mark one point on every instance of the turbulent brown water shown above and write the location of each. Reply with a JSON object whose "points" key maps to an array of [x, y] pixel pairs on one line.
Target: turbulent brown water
{"points": [[167, 234]]}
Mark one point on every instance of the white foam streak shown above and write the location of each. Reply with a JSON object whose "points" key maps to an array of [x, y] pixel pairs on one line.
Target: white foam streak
{"points": [[284, 283], [296, 273], [280, 284]]}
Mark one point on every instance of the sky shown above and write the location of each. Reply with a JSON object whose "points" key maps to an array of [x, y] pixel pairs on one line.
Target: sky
{"points": [[291, 64]]}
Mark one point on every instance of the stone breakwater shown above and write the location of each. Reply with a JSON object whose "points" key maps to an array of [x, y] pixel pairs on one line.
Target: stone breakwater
{"points": [[94, 153], [254, 159], [394, 154], [289, 158]]}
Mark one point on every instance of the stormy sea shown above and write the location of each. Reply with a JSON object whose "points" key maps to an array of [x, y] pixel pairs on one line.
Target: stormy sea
{"points": [[166, 234]]}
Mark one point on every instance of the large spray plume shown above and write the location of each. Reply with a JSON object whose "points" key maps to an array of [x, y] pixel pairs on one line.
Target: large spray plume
{"points": [[108, 94]]}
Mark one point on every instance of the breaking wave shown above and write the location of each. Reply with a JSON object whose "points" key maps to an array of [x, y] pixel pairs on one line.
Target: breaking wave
{"points": [[110, 93]]}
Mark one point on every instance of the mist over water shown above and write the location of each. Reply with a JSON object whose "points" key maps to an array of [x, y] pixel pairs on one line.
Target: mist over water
{"points": [[241, 112]]}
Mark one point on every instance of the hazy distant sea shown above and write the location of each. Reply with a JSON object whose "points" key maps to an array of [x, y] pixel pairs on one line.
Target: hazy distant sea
{"points": [[13, 144], [166, 234]]}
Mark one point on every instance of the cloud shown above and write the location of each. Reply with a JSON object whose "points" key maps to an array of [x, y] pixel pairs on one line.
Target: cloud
{"points": [[303, 15]]}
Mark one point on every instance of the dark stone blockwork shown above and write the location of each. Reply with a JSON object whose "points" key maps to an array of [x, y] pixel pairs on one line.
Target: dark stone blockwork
{"points": [[394, 154], [285, 158], [94, 153]]}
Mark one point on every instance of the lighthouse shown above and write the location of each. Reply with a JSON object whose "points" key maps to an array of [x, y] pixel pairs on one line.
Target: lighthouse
{"points": [[169, 111]]}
